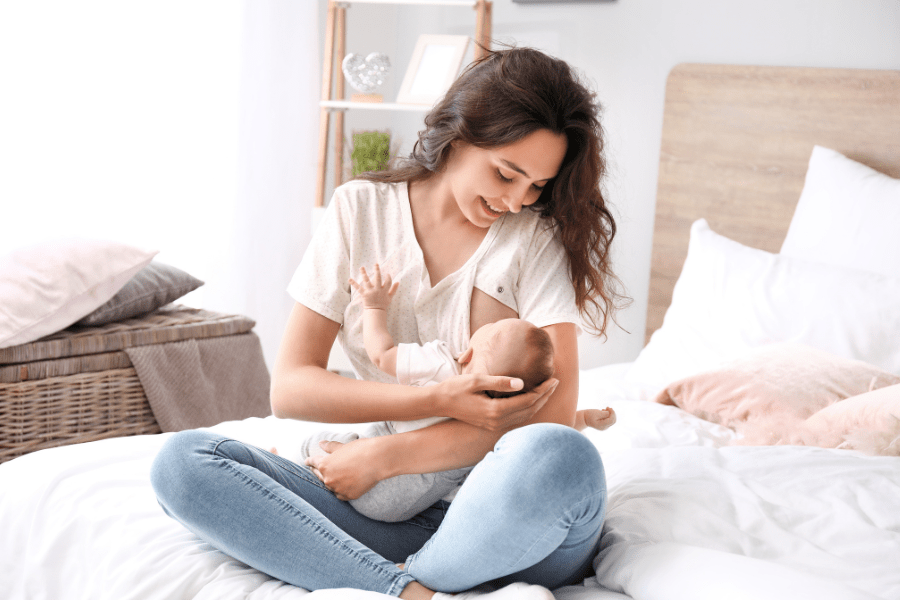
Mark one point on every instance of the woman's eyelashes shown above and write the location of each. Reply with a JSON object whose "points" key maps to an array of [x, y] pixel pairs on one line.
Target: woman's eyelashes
{"points": [[504, 179]]}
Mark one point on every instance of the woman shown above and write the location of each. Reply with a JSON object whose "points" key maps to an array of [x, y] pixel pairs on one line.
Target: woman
{"points": [[497, 213]]}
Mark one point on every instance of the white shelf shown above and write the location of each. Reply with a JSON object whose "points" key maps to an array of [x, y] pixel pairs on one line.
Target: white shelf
{"points": [[469, 3], [346, 104], [335, 36]]}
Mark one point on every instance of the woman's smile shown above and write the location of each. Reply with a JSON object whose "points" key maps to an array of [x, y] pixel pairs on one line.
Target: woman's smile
{"points": [[489, 209]]}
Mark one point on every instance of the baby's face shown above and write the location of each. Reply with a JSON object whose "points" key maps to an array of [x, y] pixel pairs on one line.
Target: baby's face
{"points": [[496, 346]]}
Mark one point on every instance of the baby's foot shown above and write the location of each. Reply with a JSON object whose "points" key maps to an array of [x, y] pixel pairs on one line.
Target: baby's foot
{"points": [[599, 419], [514, 591]]}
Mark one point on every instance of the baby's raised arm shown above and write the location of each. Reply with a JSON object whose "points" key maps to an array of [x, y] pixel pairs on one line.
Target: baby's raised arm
{"points": [[377, 291]]}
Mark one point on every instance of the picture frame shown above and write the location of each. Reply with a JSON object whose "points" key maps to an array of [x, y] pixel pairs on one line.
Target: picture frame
{"points": [[434, 65], [561, 1]]}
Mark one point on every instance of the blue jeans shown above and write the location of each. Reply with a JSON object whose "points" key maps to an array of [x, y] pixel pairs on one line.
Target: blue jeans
{"points": [[532, 510]]}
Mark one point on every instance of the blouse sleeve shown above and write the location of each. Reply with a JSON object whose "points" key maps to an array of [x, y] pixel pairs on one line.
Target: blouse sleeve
{"points": [[321, 281], [546, 295]]}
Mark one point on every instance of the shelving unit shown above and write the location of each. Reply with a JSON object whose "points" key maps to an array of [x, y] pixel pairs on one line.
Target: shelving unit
{"points": [[336, 105], [336, 48]]}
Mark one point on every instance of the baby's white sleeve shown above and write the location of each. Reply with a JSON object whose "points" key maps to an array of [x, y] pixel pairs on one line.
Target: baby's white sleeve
{"points": [[425, 364]]}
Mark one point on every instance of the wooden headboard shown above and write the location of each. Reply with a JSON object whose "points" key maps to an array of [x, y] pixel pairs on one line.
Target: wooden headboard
{"points": [[736, 143]]}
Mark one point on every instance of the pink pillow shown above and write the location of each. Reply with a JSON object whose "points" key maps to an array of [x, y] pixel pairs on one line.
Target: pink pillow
{"points": [[868, 422], [768, 392]]}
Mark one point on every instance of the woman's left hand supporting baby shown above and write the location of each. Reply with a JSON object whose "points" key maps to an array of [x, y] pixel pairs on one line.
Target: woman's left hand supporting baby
{"points": [[347, 469], [466, 401]]}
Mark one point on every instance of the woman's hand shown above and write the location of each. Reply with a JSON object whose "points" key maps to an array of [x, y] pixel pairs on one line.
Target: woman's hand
{"points": [[463, 398], [347, 469]]}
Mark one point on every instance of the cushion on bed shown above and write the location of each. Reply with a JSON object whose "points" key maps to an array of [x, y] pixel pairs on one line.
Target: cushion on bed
{"points": [[153, 286], [770, 391], [48, 286], [847, 216], [868, 422], [731, 298]]}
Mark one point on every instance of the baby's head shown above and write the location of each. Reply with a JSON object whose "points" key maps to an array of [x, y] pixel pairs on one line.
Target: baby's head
{"points": [[512, 348]]}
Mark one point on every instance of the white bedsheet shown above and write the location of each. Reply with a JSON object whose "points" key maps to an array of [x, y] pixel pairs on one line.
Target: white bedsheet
{"points": [[687, 518]]}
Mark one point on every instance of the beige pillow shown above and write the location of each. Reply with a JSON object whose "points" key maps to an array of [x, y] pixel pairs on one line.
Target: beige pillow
{"points": [[768, 392], [45, 287], [869, 422]]}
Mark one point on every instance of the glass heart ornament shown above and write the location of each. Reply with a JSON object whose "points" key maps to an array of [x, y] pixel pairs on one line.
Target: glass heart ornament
{"points": [[366, 74]]}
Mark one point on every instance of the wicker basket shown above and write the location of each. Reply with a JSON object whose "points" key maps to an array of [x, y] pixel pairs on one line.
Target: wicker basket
{"points": [[78, 385]]}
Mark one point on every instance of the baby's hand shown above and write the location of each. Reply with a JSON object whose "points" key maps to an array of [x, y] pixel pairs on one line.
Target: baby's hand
{"points": [[376, 290], [600, 419]]}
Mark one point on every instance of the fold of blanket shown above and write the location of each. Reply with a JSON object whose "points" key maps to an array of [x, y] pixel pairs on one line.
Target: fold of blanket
{"points": [[202, 382]]}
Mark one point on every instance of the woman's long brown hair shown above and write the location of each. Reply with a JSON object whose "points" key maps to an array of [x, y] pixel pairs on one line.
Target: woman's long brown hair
{"points": [[500, 99]]}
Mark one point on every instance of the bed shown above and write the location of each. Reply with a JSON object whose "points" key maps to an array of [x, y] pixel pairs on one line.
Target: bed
{"points": [[756, 449]]}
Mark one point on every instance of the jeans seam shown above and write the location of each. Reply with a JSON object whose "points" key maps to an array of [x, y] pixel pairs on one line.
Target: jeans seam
{"points": [[309, 476], [549, 529], [404, 577], [285, 463]]}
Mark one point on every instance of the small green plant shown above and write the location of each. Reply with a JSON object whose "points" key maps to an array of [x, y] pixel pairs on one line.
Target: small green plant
{"points": [[371, 151]]}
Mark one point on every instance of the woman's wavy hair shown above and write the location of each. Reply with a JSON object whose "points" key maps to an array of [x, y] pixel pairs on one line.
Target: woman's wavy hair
{"points": [[500, 99]]}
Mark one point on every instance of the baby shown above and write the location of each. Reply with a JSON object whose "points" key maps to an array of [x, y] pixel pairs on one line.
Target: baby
{"points": [[509, 347]]}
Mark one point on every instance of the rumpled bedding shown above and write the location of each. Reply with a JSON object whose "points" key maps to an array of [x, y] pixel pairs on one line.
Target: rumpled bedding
{"points": [[688, 517]]}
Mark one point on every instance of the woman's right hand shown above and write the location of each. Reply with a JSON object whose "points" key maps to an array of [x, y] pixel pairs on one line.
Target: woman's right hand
{"points": [[463, 397]]}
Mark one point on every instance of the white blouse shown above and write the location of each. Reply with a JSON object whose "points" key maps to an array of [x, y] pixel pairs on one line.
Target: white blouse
{"points": [[520, 262]]}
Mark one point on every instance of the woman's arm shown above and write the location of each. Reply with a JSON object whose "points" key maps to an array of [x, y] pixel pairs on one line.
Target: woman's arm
{"points": [[303, 388], [453, 444], [450, 444]]}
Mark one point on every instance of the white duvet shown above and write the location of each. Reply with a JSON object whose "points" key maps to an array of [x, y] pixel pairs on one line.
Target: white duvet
{"points": [[688, 518]]}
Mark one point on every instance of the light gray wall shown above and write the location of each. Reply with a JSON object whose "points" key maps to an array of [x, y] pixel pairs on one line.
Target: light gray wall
{"points": [[625, 49]]}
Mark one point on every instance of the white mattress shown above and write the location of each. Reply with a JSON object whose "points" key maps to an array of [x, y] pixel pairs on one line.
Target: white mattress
{"points": [[689, 517]]}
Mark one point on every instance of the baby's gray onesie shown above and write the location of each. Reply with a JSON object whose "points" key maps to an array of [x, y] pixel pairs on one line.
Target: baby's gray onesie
{"points": [[396, 499]]}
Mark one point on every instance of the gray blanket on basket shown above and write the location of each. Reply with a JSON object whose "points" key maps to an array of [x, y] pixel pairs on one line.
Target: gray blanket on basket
{"points": [[202, 382]]}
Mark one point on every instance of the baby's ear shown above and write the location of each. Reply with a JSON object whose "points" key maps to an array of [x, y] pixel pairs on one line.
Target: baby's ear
{"points": [[465, 357]]}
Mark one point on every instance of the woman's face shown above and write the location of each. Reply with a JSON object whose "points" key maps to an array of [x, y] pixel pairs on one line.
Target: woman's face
{"points": [[486, 183]]}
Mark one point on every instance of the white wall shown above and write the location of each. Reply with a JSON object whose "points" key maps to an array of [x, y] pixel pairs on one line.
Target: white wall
{"points": [[625, 49], [118, 120], [184, 126]]}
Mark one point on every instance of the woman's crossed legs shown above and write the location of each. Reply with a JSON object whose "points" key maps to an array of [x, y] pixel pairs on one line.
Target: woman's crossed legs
{"points": [[531, 511]]}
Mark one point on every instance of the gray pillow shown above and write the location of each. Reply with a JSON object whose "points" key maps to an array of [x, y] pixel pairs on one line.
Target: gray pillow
{"points": [[151, 287]]}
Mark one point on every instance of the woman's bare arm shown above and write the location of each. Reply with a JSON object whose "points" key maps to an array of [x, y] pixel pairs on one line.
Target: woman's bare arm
{"points": [[453, 444], [450, 444], [303, 388]]}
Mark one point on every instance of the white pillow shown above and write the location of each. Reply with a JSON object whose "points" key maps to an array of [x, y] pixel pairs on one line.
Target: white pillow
{"points": [[730, 298], [847, 215], [46, 287]]}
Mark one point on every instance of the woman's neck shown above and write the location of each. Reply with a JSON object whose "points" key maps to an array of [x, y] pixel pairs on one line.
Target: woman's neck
{"points": [[447, 239], [433, 205]]}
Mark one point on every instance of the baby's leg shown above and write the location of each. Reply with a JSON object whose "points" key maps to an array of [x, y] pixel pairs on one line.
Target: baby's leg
{"points": [[311, 447], [396, 499], [403, 497], [595, 418]]}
